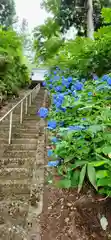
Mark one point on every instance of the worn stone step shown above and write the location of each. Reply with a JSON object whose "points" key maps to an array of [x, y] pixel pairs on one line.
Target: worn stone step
{"points": [[17, 127], [19, 140], [15, 173], [17, 162], [14, 187], [19, 153], [13, 211], [25, 135], [26, 146]]}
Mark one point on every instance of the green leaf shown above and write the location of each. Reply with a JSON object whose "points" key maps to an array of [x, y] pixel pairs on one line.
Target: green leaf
{"points": [[106, 150], [104, 182], [75, 178], [101, 174], [68, 159], [95, 128], [92, 175], [65, 183], [81, 178], [98, 163], [76, 165]]}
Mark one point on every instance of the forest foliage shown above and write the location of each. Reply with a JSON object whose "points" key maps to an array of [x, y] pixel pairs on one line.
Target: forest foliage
{"points": [[13, 71]]}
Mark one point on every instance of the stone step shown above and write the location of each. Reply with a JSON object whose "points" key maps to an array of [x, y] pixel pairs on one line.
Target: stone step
{"points": [[26, 146], [27, 125], [14, 187], [19, 154], [17, 122], [25, 135], [17, 162], [20, 134], [19, 140], [15, 173], [13, 211]]}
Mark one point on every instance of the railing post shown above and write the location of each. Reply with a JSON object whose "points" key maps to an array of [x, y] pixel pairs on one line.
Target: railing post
{"points": [[26, 106], [21, 112], [10, 128], [30, 99]]}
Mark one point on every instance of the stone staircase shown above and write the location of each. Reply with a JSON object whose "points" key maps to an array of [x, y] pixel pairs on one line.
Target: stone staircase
{"points": [[17, 167]]}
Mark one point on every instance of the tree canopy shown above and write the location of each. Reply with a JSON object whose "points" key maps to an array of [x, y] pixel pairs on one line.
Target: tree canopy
{"points": [[47, 39], [74, 13], [7, 13]]}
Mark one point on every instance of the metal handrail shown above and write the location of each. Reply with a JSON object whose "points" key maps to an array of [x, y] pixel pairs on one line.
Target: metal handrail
{"points": [[31, 95]]}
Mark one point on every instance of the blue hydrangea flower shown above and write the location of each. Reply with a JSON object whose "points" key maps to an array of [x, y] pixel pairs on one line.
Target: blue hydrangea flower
{"points": [[49, 152], [53, 163], [95, 77], [109, 81], [69, 79], [61, 124], [105, 77], [43, 112], [58, 89], [58, 104], [78, 86], [72, 88], [65, 83], [74, 93], [50, 86], [84, 119], [76, 98], [54, 140], [56, 78], [89, 94], [52, 124], [83, 80], [55, 72], [44, 84], [63, 109], [76, 128], [50, 81]]}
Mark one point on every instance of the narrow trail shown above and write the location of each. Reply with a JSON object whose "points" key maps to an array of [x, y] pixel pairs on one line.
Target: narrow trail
{"points": [[22, 175]]}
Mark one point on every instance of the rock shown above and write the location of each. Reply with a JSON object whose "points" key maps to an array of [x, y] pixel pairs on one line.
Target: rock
{"points": [[66, 220], [69, 204], [50, 207]]}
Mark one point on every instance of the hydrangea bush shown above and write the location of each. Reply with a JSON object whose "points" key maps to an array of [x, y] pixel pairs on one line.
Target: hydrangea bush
{"points": [[79, 121]]}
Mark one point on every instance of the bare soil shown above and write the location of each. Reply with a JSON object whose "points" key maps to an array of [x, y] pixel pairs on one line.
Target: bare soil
{"points": [[68, 215]]}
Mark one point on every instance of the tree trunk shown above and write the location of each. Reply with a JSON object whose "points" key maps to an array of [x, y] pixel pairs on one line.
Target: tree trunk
{"points": [[90, 24]]}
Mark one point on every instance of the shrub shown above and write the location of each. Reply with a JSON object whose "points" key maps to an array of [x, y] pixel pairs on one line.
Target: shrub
{"points": [[13, 73], [79, 125]]}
